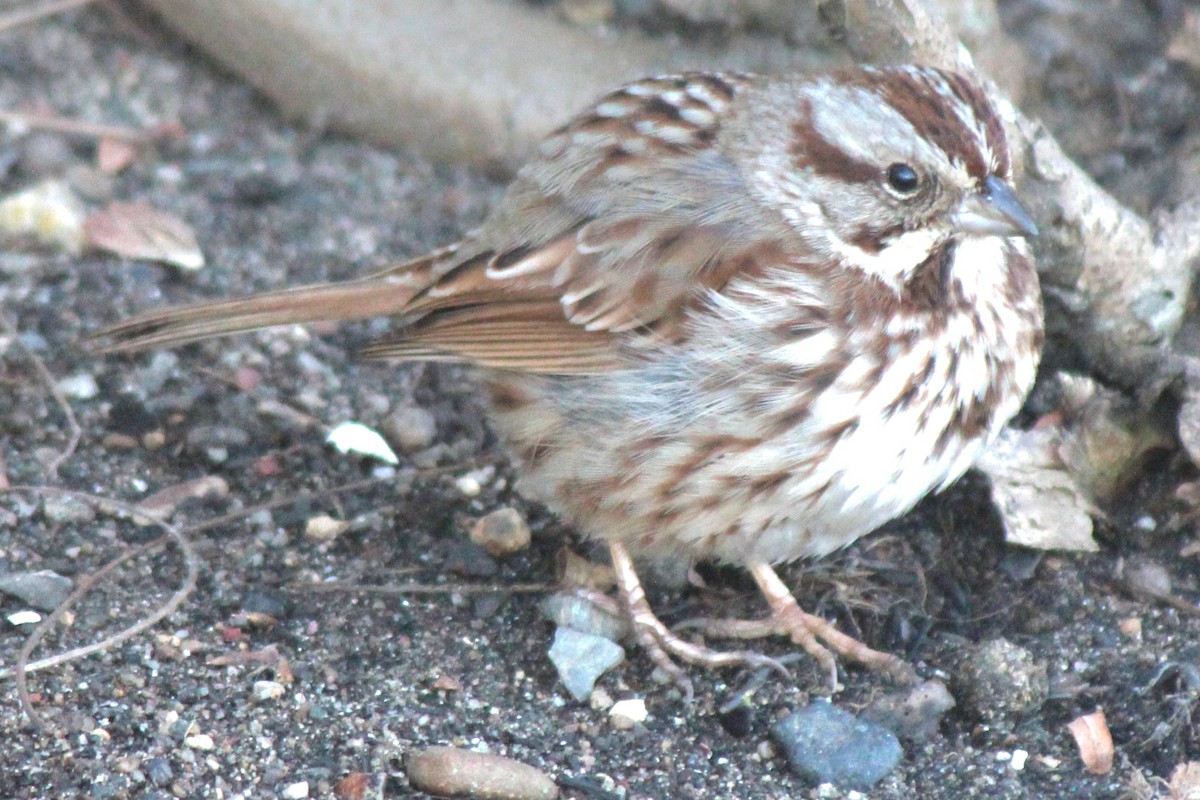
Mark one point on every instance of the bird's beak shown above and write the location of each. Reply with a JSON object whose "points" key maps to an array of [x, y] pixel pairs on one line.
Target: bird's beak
{"points": [[994, 211]]}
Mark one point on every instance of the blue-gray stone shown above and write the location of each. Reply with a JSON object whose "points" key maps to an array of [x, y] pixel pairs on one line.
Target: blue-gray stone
{"points": [[44, 590], [581, 658], [825, 744]]}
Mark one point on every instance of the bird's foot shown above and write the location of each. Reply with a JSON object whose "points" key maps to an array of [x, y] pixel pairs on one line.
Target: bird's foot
{"points": [[819, 637], [664, 646]]}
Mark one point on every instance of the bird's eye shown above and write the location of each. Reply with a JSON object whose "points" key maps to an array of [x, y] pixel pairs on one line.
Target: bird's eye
{"points": [[903, 179]]}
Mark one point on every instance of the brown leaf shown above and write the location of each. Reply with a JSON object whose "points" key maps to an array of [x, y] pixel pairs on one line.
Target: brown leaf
{"points": [[135, 230], [114, 155], [352, 787], [1094, 740]]}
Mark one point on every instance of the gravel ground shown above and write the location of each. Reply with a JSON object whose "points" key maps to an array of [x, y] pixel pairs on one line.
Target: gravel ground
{"points": [[258, 682]]}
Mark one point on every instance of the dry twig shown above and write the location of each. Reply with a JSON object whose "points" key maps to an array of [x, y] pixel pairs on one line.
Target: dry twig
{"points": [[10, 329], [191, 570], [15, 19]]}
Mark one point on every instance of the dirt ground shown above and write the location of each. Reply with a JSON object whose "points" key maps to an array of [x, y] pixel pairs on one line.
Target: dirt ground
{"points": [[370, 675]]}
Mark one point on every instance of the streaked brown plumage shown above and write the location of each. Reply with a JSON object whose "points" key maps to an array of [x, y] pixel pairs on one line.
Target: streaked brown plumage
{"points": [[726, 316]]}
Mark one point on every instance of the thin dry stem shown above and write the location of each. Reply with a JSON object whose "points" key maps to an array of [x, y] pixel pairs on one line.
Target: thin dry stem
{"points": [[74, 127], [426, 588], [75, 432], [191, 570], [15, 19]]}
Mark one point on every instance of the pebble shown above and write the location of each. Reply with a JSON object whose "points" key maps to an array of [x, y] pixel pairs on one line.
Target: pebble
{"points": [[572, 611], [411, 428], [324, 528], [25, 617], [200, 741], [997, 682], [268, 690], [265, 601], [453, 772], [46, 154], [44, 589], [468, 486], [352, 787], [502, 532], [354, 437], [65, 509], [158, 769], [469, 559], [81, 386], [912, 714], [825, 744], [625, 714], [295, 791], [581, 658]]}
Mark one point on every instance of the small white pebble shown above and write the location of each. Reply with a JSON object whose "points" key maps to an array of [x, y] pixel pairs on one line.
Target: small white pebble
{"points": [[81, 386], [200, 741], [24, 618], [324, 528], [268, 690], [626, 713], [1019, 757], [1003, 755], [297, 791], [468, 486], [1145, 523], [354, 437]]}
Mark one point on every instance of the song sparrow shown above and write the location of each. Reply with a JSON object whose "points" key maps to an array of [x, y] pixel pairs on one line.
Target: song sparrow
{"points": [[726, 316]]}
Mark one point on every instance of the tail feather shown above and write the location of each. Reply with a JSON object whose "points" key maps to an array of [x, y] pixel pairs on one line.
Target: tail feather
{"points": [[331, 302], [385, 293]]}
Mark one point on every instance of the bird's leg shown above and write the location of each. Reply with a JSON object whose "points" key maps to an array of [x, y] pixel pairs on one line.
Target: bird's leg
{"points": [[657, 639], [806, 630]]}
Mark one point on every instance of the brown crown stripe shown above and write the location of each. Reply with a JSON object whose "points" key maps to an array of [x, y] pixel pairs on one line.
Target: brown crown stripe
{"points": [[934, 121], [810, 150], [981, 107]]}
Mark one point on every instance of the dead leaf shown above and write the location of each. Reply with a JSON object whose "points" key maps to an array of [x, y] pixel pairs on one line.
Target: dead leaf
{"points": [[161, 505], [1185, 781], [1095, 742], [114, 155], [575, 571], [135, 230]]}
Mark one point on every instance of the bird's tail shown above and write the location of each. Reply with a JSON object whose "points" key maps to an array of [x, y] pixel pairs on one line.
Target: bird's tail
{"points": [[385, 294]]}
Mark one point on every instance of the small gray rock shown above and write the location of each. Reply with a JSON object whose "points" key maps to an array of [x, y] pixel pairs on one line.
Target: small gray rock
{"points": [[66, 508], [912, 713], [572, 611], [997, 682], [581, 658], [825, 744], [410, 428], [81, 386], [43, 590], [502, 532]]}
